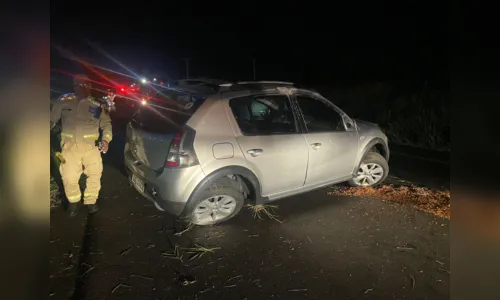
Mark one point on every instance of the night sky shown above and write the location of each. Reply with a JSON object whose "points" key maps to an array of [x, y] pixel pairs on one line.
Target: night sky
{"points": [[333, 45]]}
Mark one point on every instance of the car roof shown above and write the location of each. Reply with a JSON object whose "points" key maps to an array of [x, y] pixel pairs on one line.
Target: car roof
{"points": [[202, 80], [242, 88], [254, 85], [247, 88], [199, 86]]}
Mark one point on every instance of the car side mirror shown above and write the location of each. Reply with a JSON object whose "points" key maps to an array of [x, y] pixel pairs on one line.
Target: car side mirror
{"points": [[349, 124]]}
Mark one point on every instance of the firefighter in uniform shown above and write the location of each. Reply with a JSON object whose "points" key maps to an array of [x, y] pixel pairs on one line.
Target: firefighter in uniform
{"points": [[81, 118]]}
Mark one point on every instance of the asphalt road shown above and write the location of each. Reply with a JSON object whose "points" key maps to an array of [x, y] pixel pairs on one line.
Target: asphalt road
{"points": [[324, 247]]}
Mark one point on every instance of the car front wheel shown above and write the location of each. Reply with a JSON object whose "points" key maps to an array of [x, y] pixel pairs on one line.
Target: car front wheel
{"points": [[372, 171]]}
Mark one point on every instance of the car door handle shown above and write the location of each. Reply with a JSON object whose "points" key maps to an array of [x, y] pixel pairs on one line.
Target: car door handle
{"points": [[316, 146], [255, 152]]}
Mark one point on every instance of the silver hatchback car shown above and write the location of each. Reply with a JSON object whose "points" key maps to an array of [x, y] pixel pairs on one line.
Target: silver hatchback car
{"points": [[202, 157]]}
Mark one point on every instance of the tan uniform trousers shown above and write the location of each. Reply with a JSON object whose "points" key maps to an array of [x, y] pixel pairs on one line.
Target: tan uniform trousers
{"points": [[81, 158]]}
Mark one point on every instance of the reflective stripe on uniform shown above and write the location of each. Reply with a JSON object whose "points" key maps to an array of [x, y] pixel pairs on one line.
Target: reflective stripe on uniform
{"points": [[94, 102], [91, 136], [67, 135], [74, 197], [90, 195], [69, 96]]}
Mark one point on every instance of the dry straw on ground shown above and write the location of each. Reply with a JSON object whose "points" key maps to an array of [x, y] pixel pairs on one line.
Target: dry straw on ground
{"points": [[198, 251], [433, 201], [261, 210]]}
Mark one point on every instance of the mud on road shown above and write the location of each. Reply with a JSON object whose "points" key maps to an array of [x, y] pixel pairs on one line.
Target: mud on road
{"points": [[324, 247]]}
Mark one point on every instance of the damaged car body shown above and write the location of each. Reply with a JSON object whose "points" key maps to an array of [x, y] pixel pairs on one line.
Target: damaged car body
{"points": [[252, 142]]}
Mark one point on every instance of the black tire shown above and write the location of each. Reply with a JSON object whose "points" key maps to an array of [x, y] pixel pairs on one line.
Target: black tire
{"points": [[373, 157], [220, 186]]}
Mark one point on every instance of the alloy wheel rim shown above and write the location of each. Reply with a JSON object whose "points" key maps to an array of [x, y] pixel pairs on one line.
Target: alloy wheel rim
{"points": [[369, 174], [214, 209]]}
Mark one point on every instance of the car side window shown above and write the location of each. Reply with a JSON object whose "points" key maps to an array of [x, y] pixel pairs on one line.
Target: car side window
{"points": [[318, 116], [263, 114]]}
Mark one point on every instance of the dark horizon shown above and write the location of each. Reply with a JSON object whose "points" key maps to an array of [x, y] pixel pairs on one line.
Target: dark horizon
{"points": [[307, 51]]}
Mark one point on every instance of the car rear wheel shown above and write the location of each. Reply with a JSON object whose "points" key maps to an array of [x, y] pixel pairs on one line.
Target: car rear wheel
{"points": [[372, 171], [220, 202]]}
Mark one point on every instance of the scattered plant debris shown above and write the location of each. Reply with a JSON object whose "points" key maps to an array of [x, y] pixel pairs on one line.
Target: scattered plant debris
{"points": [[235, 277], [189, 226], [433, 201], [119, 286], [88, 271], [261, 210], [124, 252], [185, 279], [142, 277], [198, 251], [173, 253], [206, 290], [443, 270], [412, 281]]}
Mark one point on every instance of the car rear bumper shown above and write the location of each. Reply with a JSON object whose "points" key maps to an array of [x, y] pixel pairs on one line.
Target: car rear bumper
{"points": [[169, 189]]}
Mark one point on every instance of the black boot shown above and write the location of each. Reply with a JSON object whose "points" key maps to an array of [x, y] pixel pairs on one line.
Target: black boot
{"points": [[72, 209], [92, 208]]}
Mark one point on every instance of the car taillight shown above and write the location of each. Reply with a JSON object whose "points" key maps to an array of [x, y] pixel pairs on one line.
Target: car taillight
{"points": [[181, 152]]}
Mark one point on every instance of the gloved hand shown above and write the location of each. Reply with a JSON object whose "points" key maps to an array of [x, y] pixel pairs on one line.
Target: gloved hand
{"points": [[104, 146]]}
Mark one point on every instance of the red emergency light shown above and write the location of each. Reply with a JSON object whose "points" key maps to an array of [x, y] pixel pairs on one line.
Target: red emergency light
{"points": [[124, 89], [121, 89]]}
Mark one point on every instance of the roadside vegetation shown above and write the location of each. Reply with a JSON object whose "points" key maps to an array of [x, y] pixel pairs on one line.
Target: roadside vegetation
{"points": [[418, 118]]}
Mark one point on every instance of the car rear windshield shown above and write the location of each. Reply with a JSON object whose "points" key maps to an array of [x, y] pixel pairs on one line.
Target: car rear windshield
{"points": [[167, 110]]}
